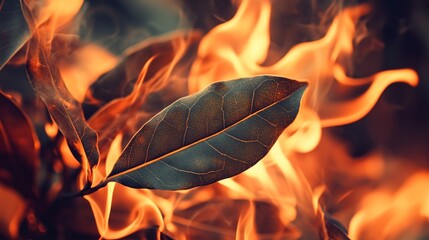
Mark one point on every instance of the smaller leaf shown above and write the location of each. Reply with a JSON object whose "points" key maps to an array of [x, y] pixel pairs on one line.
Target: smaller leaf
{"points": [[208, 136], [121, 81], [48, 84], [18, 153]]}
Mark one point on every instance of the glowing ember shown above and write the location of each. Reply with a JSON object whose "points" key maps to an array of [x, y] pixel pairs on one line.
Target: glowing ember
{"points": [[86, 95]]}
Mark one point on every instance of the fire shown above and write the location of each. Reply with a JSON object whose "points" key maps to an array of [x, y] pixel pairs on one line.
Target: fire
{"points": [[283, 195], [84, 67], [239, 48], [388, 214]]}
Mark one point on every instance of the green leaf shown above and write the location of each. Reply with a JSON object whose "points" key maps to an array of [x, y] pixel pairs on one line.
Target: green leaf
{"points": [[214, 134], [14, 32]]}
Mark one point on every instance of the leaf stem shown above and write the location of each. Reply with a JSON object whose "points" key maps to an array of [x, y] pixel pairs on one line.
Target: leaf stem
{"points": [[93, 189], [83, 192]]}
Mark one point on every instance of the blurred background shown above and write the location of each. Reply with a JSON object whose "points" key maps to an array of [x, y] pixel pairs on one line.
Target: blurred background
{"points": [[379, 159]]}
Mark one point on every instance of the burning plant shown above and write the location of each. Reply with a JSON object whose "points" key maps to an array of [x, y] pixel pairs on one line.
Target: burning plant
{"points": [[251, 119]]}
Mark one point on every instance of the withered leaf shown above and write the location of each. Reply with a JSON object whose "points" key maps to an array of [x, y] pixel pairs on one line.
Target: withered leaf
{"points": [[208, 136], [18, 152], [65, 110], [120, 81], [13, 29]]}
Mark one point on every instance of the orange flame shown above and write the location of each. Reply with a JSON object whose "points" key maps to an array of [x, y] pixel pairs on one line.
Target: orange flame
{"points": [[137, 210], [387, 215], [88, 63], [315, 62]]}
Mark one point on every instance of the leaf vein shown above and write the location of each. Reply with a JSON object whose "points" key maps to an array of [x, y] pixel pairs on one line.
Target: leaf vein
{"points": [[266, 120], [245, 141], [226, 155]]}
